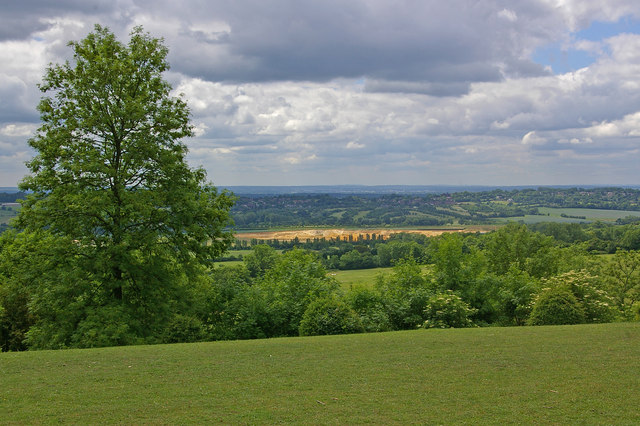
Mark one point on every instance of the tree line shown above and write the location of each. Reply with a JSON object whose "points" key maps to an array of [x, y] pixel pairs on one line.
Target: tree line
{"points": [[371, 251], [513, 276], [268, 211]]}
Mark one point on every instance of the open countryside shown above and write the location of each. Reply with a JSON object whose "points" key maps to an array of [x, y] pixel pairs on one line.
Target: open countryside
{"points": [[132, 290]]}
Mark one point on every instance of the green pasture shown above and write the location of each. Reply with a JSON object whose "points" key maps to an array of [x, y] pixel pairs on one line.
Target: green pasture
{"points": [[584, 374], [358, 277], [230, 263], [363, 277], [549, 214]]}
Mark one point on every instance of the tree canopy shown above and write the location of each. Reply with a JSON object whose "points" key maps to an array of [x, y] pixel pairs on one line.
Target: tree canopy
{"points": [[111, 188]]}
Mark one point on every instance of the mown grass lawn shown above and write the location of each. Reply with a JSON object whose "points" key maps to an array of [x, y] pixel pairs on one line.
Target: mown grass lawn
{"points": [[588, 374]]}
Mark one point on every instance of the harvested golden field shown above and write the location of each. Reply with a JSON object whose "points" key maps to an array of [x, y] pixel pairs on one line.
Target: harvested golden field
{"points": [[304, 234]]}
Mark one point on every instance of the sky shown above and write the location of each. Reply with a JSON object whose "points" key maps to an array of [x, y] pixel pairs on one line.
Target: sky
{"points": [[373, 92]]}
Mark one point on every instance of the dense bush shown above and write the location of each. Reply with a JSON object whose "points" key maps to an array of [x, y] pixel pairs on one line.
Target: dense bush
{"points": [[405, 293], [260, 260], [370, 307], [184, 328], [596, 303], [447, 310], [329, 315], [555, 306]]}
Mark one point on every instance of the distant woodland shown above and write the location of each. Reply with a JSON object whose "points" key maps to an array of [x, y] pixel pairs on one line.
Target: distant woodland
{"points": [[367, 210]]}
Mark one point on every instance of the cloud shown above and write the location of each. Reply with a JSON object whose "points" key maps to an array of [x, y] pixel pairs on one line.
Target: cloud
{"points": [[368, 91], [354, 145], [18, 130], [439, 47], [532, 138], [508, 14]]}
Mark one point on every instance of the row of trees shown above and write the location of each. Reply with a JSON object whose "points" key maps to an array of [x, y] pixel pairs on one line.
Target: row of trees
{"points": [[369, 251], [510, 277]]}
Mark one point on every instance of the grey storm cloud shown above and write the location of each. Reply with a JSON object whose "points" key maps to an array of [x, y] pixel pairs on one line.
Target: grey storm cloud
{"points": [[431, 47], [20, 19]]}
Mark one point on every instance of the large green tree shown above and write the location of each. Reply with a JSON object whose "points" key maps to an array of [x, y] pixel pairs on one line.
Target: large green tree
{"points": [[110, 180]]}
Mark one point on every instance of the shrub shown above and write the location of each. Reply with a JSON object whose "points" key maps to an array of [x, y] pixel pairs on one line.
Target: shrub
{"points": [[290, 286], [183, 329], [370, 307], [405, 293], [329, 315], [447, 310], [584, 303], [555, 306]]}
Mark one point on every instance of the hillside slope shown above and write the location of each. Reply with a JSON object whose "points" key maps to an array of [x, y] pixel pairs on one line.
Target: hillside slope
{"points": [[587, 374]]}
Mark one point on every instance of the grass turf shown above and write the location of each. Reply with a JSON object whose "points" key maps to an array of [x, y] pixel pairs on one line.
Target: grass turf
{"points": [[587, 374], [358, 277]]}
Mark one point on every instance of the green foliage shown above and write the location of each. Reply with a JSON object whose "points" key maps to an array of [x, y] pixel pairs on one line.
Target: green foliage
{"points": [[448, 260], [261, 259], [568, 233], [405, 293], [393, 251], [128, 223], [516, 293], [622, 281], [447, 310], [97, 327], [184, 329], [556, 306], [370, 307], [530, 252], [597, 304], [483, 294], [329, 315], [26, 261], [290, 286], [234, 307], [571, 298], [15, 318], [356, 260]]}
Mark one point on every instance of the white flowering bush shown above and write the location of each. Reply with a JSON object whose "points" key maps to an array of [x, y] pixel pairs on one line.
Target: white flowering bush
{"points": [[571, 298], [447, 310]]}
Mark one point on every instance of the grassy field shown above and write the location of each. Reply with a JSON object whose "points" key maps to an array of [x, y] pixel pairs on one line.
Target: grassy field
{"points": [[588, 374], [549, 214], [361, 277]]}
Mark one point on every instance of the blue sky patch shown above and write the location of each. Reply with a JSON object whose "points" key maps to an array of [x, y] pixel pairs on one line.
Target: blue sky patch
{"points": [[563, 57]]}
